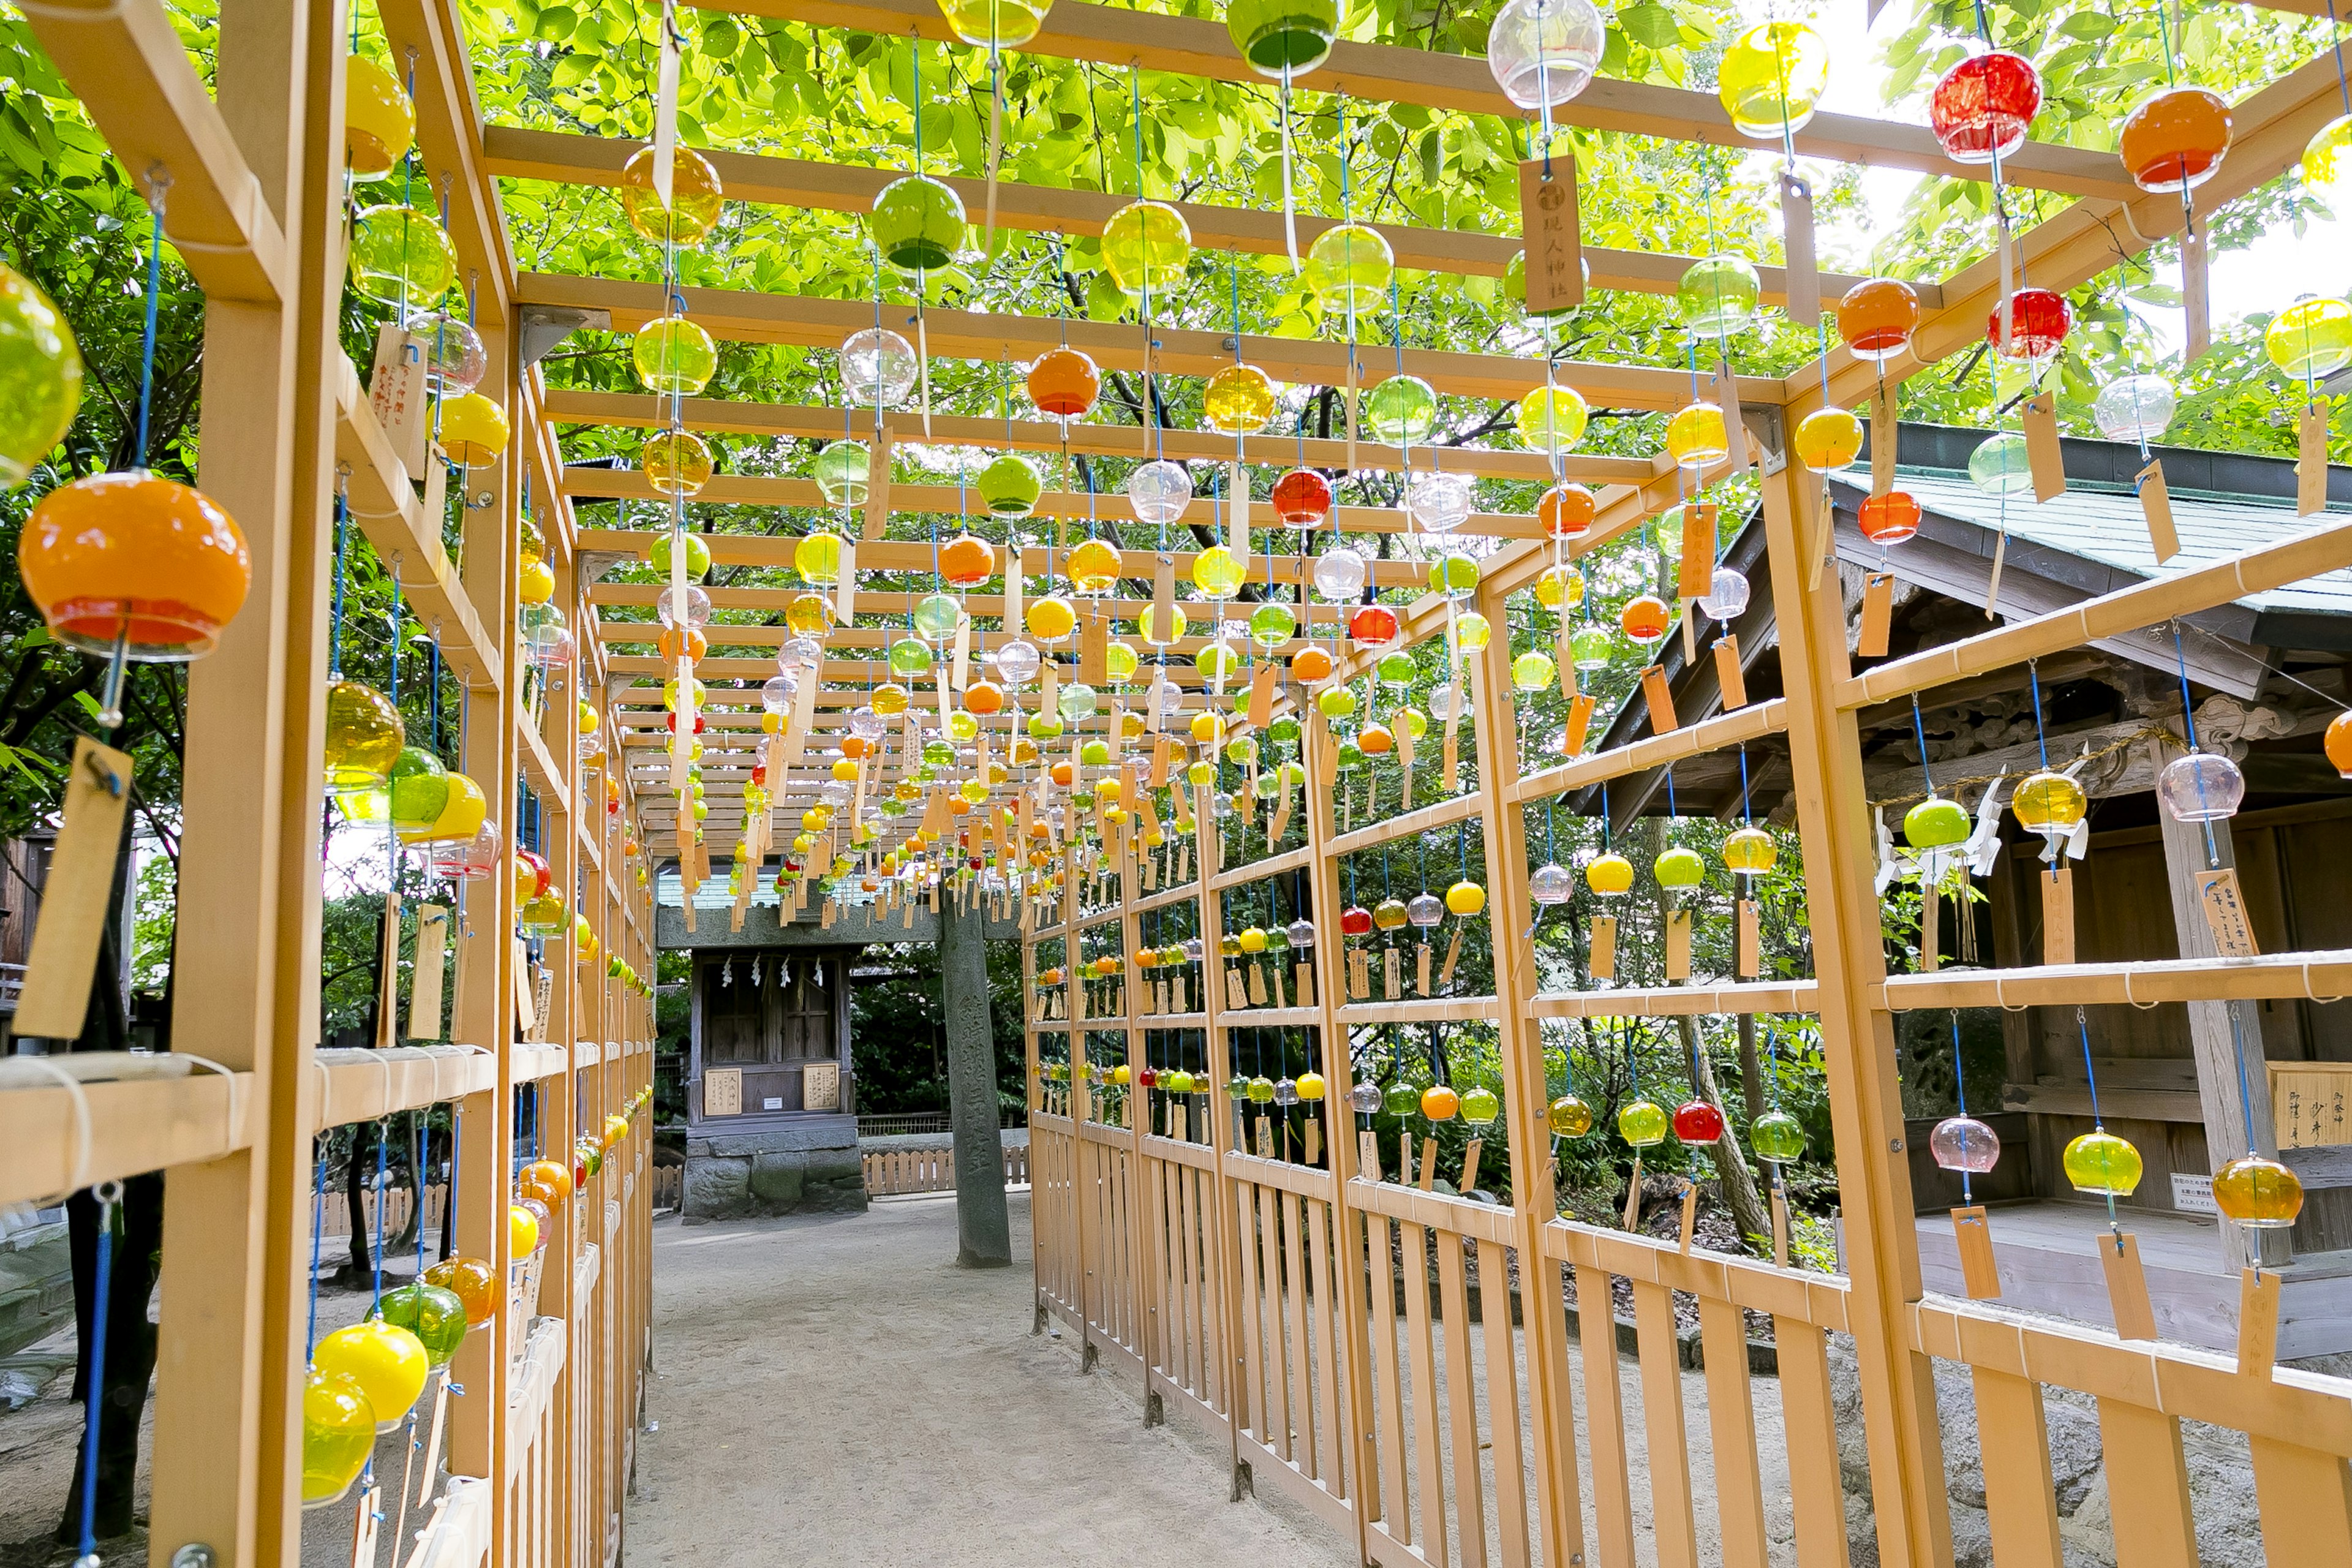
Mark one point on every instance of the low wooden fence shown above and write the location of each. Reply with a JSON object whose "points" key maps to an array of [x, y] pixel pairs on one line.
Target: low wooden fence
{"points": [[890, 1173]]}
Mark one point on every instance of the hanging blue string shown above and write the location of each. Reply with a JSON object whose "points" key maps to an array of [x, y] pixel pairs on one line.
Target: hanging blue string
{"points": [[102, 1293], [1960, 1089], [375, 1248], [147, 341], [335, 618]]}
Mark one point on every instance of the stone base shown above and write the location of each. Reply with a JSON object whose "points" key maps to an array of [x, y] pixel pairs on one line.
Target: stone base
{"points": [[809, 1167]]}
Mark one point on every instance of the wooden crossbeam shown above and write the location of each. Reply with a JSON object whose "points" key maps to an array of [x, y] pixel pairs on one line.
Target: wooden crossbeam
{"points": [[718, 417], [907, 555], [519, 153], [745, 317], [761, 489], [1389, 73]]}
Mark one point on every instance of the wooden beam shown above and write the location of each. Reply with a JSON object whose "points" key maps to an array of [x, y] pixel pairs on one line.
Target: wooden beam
{"points": [[517, 152], [719, 417], [906, 555], [762, 489], [449, 143], [1388, 73], [385, 509], [125, 61], [811, 322]]}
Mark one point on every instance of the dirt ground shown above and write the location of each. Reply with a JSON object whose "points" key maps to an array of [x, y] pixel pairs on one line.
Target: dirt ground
{"points": [[833, 1389]]}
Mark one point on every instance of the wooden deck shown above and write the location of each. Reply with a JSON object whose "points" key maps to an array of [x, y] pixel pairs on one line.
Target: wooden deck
{"points": [[2049, 1263]]}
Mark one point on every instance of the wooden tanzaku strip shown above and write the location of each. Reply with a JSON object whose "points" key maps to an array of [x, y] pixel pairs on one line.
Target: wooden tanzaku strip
{"points": [[1390, 73], [1259, 870], [127, 63], [1427, 819], [515, 152], [1679, 1001], [2304, 1409], [1420, 1010], [2312, 553], [745, 316], [763, 489], [2324, 976], [908, 555], [1715, 734], [1754, 1283]]}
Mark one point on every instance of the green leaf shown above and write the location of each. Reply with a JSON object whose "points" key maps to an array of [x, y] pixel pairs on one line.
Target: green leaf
{"points": [[572, 71], [556, 24], [722, 39], [1651, 24], [2089, 26]]}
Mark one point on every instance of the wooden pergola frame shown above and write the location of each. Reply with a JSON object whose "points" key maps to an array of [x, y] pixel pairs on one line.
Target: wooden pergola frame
{"points": [[257, 211], [1151, 1246]]}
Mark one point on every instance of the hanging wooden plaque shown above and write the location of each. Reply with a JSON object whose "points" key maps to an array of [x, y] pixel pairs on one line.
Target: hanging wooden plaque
{"points": [[1427, 1179], [1804, 279], [2057, 913], [1678, 945], [2311, 460], [426, 975], [1094, 648], [1877, 616], [1550, 221], [396, 397], [1728, 674], [1750, 959], [1689, 1228], [1392, 974], [1470, 1165], [2127, 1297], [2224, 904], [1602, 962], [2258, 1294], [1884, 442], [1661, 700], [878, 494], [2155, 506], [1694, 577], [2040, 418], [2196, 296], [1453, 957], [1579, 721], [1979, 1274], [64, 956], [1420, 961], [1368, 1157]]}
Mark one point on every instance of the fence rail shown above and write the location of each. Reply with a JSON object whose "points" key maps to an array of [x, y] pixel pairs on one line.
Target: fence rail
{"points": [[1457, 1384], [892, 1171]]}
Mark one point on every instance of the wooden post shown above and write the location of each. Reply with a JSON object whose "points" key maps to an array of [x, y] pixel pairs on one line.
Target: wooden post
{"points": [[1898, 1393], [2238, 1117], [1526, 1100], [227, 1445]]}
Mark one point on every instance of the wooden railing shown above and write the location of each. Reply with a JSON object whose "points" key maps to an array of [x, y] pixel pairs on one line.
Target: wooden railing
{"points": [[1453, 1382], [892, 1171]]}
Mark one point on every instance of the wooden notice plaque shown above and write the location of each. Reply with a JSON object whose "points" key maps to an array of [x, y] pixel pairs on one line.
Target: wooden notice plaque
{"points": [[1555, 245], [2224, 903], [722, 1091], [820, 1086]]}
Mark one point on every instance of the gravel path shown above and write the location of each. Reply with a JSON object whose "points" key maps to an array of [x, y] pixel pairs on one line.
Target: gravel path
{"points": [[833, 1389]]}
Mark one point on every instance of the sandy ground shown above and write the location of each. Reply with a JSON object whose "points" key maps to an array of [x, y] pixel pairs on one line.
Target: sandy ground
{"points": [[833, 1389]]}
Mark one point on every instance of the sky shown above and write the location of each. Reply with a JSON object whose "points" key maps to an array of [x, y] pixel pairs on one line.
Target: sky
{"points": [[2262, 277]]}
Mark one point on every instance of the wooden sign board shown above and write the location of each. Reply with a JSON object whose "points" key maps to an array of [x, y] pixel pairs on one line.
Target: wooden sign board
{"points": [[1555, 245], [820, 1086], [722, 1091]]}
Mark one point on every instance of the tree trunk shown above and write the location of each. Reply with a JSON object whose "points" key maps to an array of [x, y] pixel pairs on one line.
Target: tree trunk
{"points": [[1751, 1079], [358, 1172], [1737, 1182], [984, 1232], [415, 1182]]}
